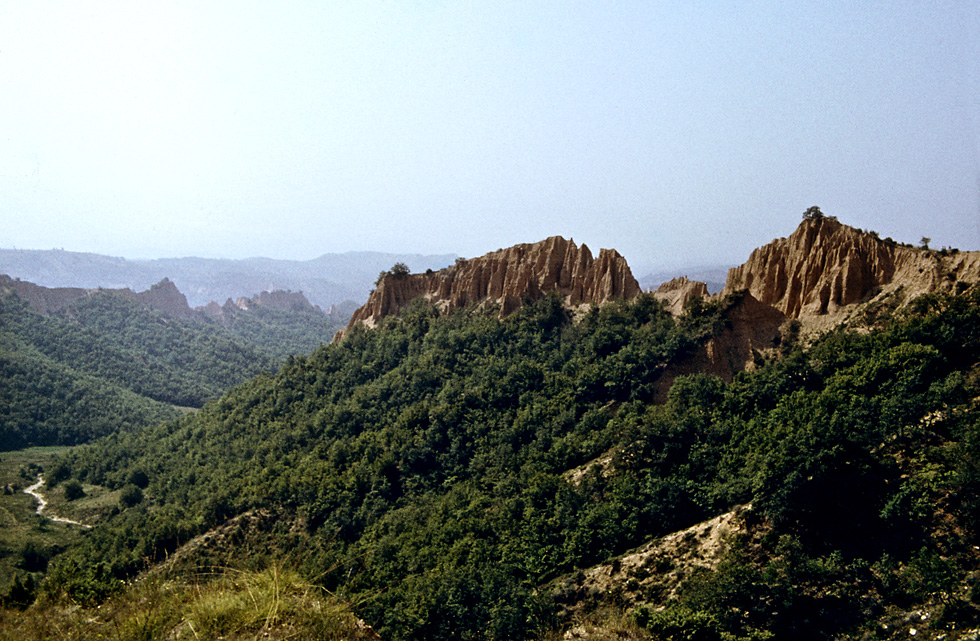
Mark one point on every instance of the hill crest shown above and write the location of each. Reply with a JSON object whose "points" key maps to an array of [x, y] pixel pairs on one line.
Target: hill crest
{"points": [[825, 268], [505, 278]]}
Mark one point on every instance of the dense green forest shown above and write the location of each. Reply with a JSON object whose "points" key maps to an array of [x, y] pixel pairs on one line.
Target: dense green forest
{"points": [[421, 472], [108, 363], [46, 402]]}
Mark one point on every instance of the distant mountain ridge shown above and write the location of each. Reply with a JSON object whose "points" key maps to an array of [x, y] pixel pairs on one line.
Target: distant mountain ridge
{"points": [[164, 297], [80, 363], [331, 279]]}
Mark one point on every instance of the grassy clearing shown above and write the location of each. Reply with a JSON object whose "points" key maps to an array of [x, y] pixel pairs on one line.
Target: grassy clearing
{"points": [[15, 466], [97, 502], [273, 603]]}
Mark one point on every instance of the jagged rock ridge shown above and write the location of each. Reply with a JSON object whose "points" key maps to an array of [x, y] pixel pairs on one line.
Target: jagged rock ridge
{"points": [[505, 278], [163, 296], [821, 275], [331, 279], [825, 266]]}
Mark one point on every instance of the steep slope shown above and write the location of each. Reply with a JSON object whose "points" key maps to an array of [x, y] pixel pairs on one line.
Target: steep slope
{"points": [[825, 267], [280, 323], [506, 278], [422, 414], [424, 469], [45, 402], [824, 274], [750, 329]]}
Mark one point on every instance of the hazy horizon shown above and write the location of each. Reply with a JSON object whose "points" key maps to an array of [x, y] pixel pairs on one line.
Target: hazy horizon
{"points": [[641, 270], [677, 135]]}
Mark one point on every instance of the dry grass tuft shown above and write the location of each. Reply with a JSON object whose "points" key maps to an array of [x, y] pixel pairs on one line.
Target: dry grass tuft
{"points": [[274, 603]]}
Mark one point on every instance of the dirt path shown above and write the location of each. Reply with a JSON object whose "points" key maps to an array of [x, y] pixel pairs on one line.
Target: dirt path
{"points": [[43, 503]]}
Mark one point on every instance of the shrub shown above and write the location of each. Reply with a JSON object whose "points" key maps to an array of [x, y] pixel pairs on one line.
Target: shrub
{"points": [[58, 473], [21, 593], [73, 490], [34, 558], [130, 496], [678, 623], [138, 478]]}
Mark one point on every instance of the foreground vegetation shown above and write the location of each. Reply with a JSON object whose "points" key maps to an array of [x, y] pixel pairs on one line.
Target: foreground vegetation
{"points": [[422, 472], [224, 604]]}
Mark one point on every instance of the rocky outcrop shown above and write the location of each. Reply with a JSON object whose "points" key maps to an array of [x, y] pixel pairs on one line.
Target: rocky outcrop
{"points": [[677, 293], [650, 574], [285, 301], [822, 276], [752, 328], [507, 277], [163, 297], [825, 266], [215, 311]]}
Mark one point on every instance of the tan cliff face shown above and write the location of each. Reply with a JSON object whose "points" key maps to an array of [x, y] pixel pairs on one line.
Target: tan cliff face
{"points": [[821, 275], [677, 293], [751, 329], [505, 277], [825, 267]]}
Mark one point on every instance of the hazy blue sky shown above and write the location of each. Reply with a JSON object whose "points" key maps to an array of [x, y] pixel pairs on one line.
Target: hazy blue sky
{"points": [[676, 132]]}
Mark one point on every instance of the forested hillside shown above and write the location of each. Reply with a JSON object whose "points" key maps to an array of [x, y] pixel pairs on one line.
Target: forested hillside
{"points": [[450, 475], [107, 362], [46, 402]]}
